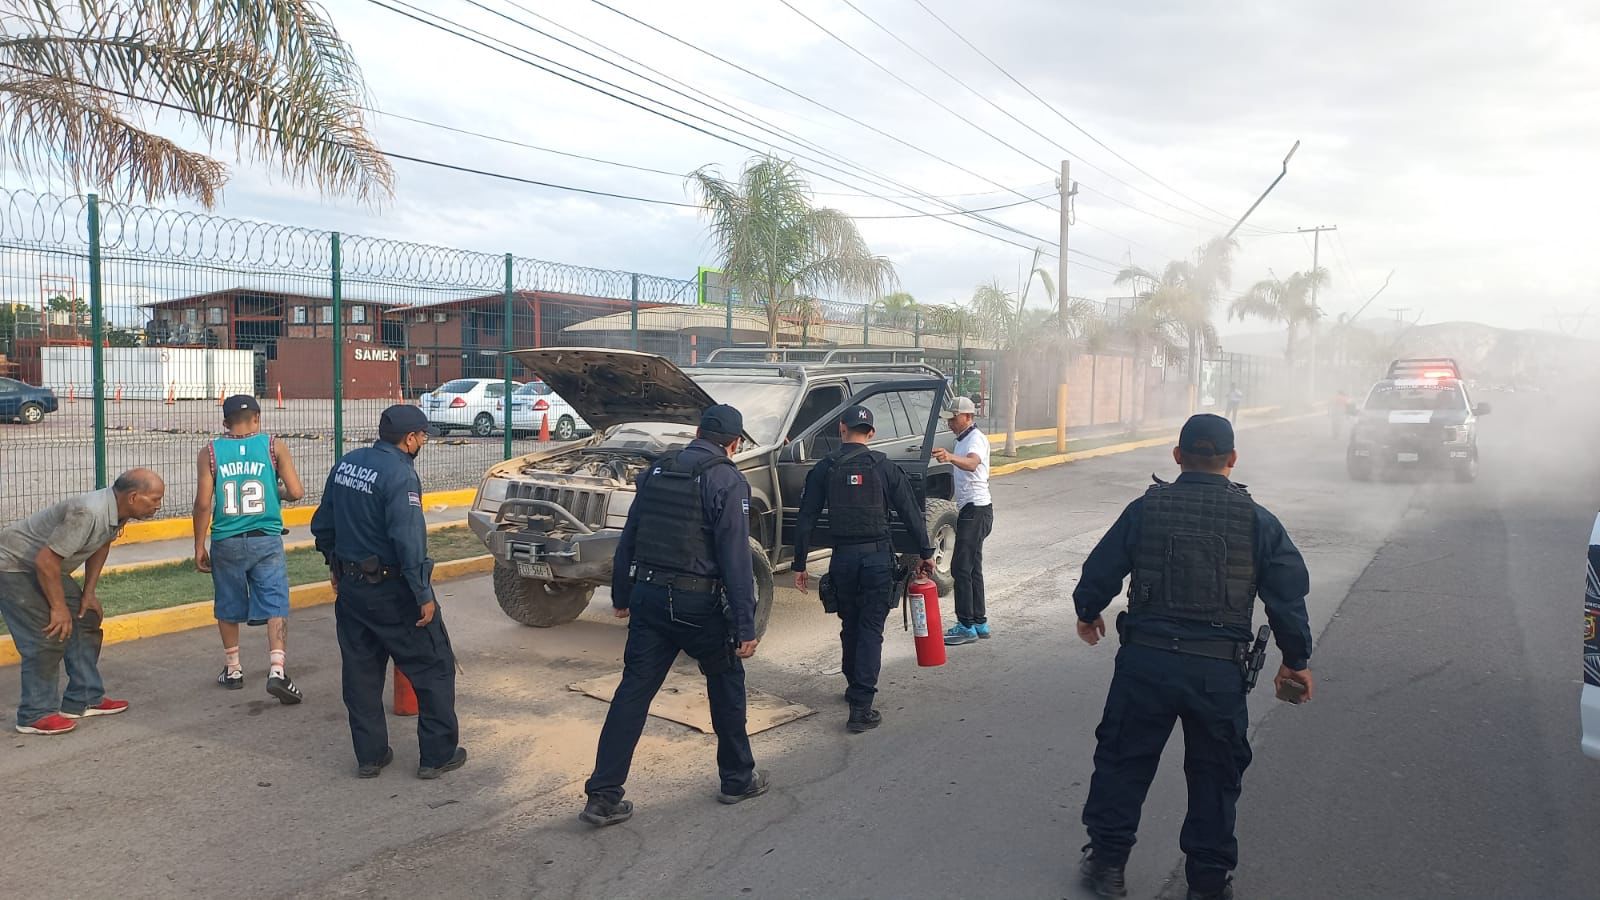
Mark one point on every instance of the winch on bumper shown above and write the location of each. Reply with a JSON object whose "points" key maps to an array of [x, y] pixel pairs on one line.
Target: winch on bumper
{"points": [[553, 533]]}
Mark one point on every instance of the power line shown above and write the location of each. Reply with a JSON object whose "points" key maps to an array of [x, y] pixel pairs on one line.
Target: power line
{"points": [[1063, 116], [962, 212]]}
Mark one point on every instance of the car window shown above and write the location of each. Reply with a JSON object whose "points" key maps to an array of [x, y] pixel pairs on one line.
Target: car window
{"points": [[459, 386], [7, 386], [494, 389], [1386, 397], [902, 419], [919, 405], [819, 402], [883, 417], [534, 389]]}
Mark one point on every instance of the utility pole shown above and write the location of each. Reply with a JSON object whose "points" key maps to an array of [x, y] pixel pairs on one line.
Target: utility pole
{"points": [[1067, 189], [1399, 313], [1316, 258]]}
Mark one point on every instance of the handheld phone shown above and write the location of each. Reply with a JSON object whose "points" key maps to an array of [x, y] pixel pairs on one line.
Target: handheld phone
{"points": [[1292, 692]]}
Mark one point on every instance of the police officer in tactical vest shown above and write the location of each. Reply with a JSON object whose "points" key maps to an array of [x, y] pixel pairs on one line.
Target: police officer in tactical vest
{"points": [[682, 578], [858, 487], [1199, 551]]}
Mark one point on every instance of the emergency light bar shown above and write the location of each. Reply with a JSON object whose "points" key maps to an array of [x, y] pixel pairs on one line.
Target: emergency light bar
{"points": [[1432, 367]]}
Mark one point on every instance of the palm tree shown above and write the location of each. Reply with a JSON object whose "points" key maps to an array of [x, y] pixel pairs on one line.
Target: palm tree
{"points": [[271, 75], [1187, 293], [1286, 301], [1153, 322], [774, 245], [896, 310]]}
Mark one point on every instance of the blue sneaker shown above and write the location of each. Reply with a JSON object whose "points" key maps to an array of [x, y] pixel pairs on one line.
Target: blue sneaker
{"points": [[982, 629], [960, 634]]}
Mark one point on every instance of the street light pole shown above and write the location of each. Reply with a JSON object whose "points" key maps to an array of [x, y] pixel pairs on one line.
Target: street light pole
{"points": [[1264, 193]]}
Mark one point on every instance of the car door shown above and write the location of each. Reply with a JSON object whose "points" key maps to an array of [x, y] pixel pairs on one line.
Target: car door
{"points": [[10, 398], [890, 402]]}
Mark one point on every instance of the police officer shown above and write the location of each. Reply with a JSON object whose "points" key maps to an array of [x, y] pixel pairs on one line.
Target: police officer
{"points": [[371, 530], [682, 578], [1199, 551], [859, 486]]}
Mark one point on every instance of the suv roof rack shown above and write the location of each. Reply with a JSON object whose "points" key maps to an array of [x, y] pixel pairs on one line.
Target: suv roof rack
{"points": [[830, 356], [1425, 367]]}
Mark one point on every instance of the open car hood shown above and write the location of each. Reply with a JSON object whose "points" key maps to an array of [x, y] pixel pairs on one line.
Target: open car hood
{"points": [[613, 387]]}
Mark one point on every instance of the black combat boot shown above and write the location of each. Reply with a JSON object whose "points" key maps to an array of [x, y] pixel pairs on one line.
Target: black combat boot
{"points": [[1104, 878], [863, 718], [1223, 893]]}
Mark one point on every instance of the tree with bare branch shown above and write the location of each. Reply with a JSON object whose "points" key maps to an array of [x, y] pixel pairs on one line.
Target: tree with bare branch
{"points": [[82, 85]]}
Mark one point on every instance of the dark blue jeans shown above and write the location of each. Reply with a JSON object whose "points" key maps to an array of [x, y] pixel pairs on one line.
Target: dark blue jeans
{"points": [[863, 578], [660, 625], [26, 613], [1151, 691], [376, 622]]}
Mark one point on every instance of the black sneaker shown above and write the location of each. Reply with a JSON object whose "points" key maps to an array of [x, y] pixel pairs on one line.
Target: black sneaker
{"points": [[428, 773], [601, 812], [758, 786], [284, 689], [1105, 879], [863, 718], [1223, 893], [374, 769], [232, 679]]}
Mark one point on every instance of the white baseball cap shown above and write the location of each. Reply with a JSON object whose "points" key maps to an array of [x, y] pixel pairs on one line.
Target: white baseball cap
{"points": [[962, 406]]}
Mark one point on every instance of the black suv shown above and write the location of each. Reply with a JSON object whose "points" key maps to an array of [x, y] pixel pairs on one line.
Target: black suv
{"points": [[552, 519], [1418, 417]]}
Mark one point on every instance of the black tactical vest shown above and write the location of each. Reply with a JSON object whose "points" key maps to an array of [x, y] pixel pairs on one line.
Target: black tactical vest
{"points": [[858, 500], [672, 520], [1196, 555]]}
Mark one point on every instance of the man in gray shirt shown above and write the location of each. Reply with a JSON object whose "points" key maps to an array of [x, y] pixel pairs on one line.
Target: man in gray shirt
{"points": [[50, 617]]}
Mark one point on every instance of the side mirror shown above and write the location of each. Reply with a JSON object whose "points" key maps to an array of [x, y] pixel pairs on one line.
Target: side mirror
{"points": [[1482, 409], [794, 452]]}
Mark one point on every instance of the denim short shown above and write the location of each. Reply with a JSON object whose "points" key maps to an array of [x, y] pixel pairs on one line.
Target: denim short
{"points": [[250, 576]]}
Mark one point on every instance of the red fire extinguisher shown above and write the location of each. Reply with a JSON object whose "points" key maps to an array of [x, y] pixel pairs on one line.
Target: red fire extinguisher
{"points": [[924, 603]]}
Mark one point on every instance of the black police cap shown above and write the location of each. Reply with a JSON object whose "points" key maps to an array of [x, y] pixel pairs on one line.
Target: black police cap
{"points": [[722, 420], [1206, 435], [401, 419]]}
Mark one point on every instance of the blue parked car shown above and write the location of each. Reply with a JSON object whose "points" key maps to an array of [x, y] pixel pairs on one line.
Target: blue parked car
{"points": [[24, 402]]}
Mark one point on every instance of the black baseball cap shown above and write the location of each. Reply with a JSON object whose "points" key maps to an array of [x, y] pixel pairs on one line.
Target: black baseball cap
{"points": [[722, 420], [403, 419], [239, 403], [1206, 435], [856, 416]]}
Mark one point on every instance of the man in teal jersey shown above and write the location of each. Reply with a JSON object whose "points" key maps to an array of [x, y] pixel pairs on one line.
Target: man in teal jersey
{"points": [[242, 478]]}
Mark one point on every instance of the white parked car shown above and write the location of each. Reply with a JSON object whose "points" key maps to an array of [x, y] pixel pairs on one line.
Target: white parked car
{"points": [[532, 402], [473, 404]]}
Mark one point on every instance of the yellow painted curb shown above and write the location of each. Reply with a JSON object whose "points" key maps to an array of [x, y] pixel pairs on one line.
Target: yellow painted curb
{"points": [[288, 546], [157, 622], [171, 529], [1045, 462]]}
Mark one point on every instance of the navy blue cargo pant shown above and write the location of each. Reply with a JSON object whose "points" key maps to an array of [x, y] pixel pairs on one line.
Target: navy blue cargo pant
{"points": [[661, 623], [377, 622], [1151, 690], [863, 581]]}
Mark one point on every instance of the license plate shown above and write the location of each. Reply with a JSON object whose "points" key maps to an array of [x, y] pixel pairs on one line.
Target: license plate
{"points": [[434, 403], [1407, 457], [534, 570]]}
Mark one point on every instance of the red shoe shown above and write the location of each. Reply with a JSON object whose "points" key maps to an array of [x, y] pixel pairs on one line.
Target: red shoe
{"points": [[55, 723], [107, 707]]}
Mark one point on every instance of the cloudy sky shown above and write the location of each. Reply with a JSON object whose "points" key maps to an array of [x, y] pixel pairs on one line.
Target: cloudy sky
{"points": [[1452, 141]]}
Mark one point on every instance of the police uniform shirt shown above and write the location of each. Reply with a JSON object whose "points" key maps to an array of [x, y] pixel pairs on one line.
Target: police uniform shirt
{"points": [[372, 506], [899, 497], [725, 499], [1281, 581]]}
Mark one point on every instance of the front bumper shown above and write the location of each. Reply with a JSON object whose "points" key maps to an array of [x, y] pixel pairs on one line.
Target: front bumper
{"points": [[569, 558], [1406, 454]]}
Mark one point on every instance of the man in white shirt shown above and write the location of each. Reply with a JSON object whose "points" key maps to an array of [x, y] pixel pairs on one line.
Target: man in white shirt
{"points": [[976, 520]]}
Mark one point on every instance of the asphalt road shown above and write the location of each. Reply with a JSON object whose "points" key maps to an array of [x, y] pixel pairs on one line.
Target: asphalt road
{"points": [[1439, 760]]}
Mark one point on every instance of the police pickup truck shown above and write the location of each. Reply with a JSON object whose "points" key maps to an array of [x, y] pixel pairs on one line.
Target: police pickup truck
{"points": [[552, 519], [1418, 417]]}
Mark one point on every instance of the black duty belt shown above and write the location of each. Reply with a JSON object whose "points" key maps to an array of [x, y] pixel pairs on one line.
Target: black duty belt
{"points": [[259, 532], [1231, 651], [678, 581], [354, 570], [875, 543]]}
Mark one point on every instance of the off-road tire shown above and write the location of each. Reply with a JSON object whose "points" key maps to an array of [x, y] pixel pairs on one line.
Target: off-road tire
{"points": [[761, 567], [940, 519], [483, 425], [1467, 472], [540, 604], [1359, 469]]}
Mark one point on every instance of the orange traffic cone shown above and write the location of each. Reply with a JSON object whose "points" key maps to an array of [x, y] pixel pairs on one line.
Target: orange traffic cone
{"points": [[544, 429], [405, 699], [72, 393], [172, 393], [118, 397], [280, 395], [219, 396]]}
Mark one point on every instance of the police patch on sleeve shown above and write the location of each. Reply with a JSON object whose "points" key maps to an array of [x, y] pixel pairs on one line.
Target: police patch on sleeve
{"points": [[414, 498], [746, 504]]}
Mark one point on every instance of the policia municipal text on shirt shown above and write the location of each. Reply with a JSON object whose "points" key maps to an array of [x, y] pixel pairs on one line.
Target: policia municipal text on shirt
{"points": [[682, 578], [858, 487], [1199, 551], [371, 530]]}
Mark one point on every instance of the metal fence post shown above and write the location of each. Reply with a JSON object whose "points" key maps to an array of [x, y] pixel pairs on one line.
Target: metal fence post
{"points": [[866, 326], [338, 347], [728, 336], [916, 328], [505, 355], [633, 310], [97, 353]]}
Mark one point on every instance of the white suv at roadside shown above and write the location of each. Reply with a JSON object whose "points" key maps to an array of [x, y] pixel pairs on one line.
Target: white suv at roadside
{"points": [[473, 404]]}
